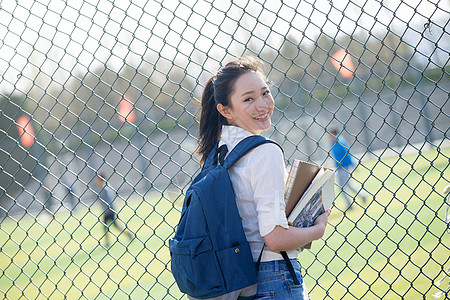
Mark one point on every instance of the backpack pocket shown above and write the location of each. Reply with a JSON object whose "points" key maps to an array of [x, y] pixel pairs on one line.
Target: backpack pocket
{"points": [[195, 268], [237, 266]]}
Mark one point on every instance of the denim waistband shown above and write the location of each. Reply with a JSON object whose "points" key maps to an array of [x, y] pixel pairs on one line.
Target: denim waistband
{"points": [[276, 265]]}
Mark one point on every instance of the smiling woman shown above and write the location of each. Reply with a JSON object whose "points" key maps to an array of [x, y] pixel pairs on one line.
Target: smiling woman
{"points": [[251, 105], [230, 83], [236, 104]]}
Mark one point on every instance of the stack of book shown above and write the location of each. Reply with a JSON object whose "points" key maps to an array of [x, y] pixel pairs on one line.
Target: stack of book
{"points": [[309, 192]]}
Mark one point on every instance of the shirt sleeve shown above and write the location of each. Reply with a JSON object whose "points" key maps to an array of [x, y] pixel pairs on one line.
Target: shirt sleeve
{"points": [[268, 180]]}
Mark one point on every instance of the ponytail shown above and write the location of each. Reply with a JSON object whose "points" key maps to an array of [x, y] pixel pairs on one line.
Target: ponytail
{"points": [[211, 121], [218, 90]]}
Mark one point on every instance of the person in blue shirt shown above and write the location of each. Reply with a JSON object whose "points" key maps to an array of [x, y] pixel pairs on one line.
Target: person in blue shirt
{"points": [[340, 151], [109, 216]]}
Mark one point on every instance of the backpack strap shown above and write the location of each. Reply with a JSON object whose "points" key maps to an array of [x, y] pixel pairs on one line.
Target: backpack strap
{"points": [[217, 154], [211, 158], [220, 155], [243, 148], [290, 267]]}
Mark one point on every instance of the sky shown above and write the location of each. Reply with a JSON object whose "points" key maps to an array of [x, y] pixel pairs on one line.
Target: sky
{"points": [[66, 38]]}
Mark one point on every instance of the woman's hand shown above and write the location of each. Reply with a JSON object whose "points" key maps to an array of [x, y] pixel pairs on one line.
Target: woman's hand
{"points": [[284, 239], [322, 221]]}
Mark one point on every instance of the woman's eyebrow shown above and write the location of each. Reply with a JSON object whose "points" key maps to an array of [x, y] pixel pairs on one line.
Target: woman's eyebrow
{"points": [[250, 92], [246, 93]]}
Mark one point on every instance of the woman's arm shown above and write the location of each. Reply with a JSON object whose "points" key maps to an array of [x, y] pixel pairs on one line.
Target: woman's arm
{"points": [[282, 239], [268, 185]]}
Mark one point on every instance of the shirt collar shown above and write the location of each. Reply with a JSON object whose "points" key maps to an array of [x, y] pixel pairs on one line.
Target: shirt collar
{"points": [[232, 133]]}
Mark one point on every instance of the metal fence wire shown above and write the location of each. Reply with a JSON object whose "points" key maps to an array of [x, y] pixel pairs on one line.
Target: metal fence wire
{"points": [[112, 88]]}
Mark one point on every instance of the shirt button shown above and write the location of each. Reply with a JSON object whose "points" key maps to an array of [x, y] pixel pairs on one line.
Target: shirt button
{"points": [[236, 250]]}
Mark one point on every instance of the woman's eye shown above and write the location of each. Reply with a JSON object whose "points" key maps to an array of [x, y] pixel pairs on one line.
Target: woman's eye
{"points": [[248, 99]]}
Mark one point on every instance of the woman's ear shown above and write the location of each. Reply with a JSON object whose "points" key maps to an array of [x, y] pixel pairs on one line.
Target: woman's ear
{"points": [[224, 111]]}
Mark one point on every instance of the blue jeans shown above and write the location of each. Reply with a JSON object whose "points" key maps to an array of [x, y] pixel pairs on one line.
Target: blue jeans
{"points": [[275, 281]]}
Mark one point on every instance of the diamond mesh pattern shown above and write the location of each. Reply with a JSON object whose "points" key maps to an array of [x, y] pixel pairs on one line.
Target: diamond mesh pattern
{"points": [[112, 87]]}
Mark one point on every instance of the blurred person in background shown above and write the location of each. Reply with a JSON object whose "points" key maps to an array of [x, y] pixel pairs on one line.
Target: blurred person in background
{"points": [[344, 163], [109, 216], [71, 196]]}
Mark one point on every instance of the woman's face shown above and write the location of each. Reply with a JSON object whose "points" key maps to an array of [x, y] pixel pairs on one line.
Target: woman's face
{"points": [[251, 104]]}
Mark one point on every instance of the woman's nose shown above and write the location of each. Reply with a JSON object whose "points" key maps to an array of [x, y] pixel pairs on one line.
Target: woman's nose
{"points": [[261, 102], [264, 102]]}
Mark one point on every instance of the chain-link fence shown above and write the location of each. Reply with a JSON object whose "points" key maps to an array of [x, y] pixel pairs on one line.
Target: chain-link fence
{"points": [[111, 88]]}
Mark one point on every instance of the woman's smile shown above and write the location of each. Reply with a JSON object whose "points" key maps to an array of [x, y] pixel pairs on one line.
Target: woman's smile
{"points": [[262, 117], [251, 104]]}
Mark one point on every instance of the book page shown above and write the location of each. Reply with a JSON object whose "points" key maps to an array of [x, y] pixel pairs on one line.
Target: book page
{"points": [[328, 192], [323, 184], [291, 178], [310, 211]]}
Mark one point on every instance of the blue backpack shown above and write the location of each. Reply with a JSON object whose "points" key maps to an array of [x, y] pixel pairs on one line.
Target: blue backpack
{"points": [[210, 255]]}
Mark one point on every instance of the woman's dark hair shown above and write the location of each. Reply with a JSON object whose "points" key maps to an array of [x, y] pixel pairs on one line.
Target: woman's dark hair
{"points": [[218, 89]]}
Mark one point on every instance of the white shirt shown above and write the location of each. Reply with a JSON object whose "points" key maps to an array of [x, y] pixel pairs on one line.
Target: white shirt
{"points": [[259, 181]]}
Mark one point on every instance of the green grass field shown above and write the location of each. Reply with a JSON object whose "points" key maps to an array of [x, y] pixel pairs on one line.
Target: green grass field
{"points": [[392, 247]]}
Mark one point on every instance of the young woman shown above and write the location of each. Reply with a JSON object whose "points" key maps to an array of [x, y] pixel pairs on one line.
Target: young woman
{"points": [[237, 103]]}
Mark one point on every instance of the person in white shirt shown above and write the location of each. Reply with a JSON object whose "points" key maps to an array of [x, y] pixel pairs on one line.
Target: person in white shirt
{"points": [[237, 103]]}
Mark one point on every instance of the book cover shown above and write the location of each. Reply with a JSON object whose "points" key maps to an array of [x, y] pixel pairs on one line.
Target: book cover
{"points": [[309, 192], [300, 176]]}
